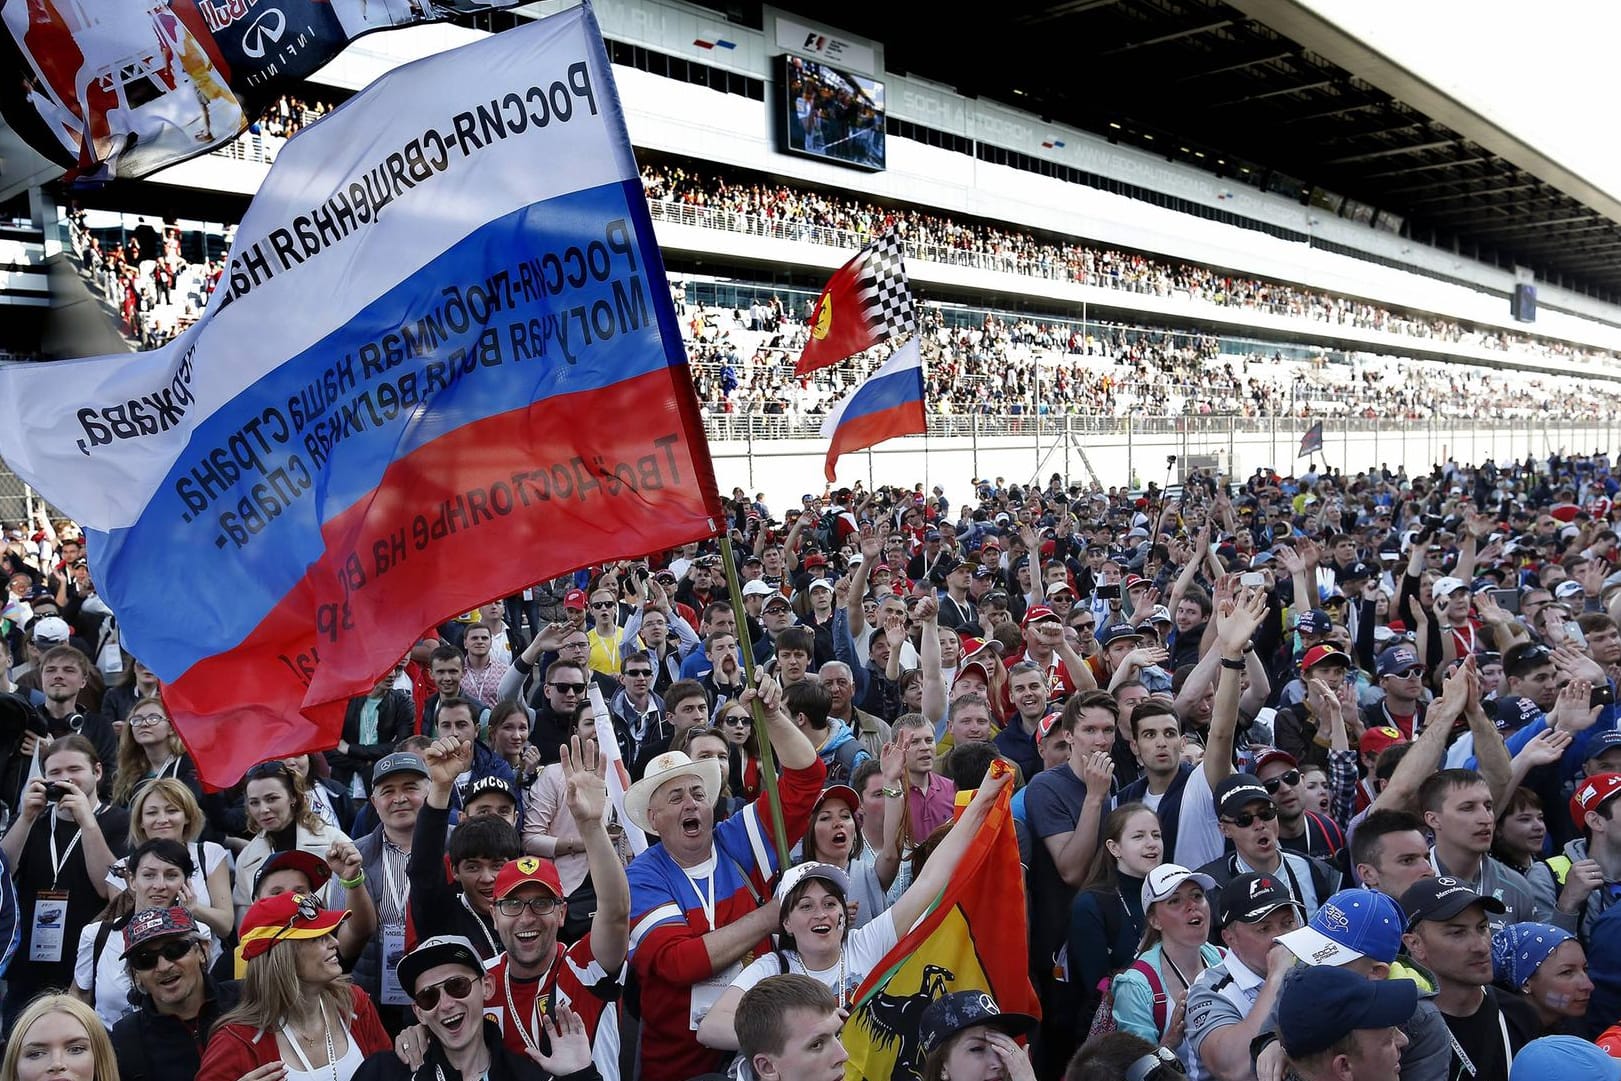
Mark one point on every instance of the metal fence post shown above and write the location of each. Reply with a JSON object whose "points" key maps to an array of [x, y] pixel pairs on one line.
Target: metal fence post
{"points": [[973, 434], [748, 443]]}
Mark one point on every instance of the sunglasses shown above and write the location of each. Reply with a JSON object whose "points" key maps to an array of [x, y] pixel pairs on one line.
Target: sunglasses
{"points": [[569, 688], [605, 604], [640, 673], [268, 769], [1290, 779], [457, 987], [1247, 819], [738, 720], [174, 950]]}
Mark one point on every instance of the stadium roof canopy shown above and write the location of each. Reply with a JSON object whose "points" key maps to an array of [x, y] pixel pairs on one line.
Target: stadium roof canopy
{"points": [[1267, 92]]}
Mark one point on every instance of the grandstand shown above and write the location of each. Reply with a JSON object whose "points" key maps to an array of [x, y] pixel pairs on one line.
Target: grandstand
{"points": [[1071, 282]]}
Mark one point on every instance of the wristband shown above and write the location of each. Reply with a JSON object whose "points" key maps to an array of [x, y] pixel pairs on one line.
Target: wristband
{"points": [[891, 793], [1237, 666], [354, 883]]}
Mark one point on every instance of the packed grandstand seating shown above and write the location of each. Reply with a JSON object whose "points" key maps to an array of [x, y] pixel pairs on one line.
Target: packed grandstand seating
{"points": [[743, 359], [748, 206]]}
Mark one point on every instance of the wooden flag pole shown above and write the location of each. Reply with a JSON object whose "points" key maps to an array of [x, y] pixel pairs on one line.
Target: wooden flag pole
{"points": [[768, 758]]}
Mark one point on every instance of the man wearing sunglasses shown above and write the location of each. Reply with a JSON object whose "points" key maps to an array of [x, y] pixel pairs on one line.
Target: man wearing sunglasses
{"points": [[1299, 830], [1247, 814], [448, 989], [178, 1002], [536, 975]]}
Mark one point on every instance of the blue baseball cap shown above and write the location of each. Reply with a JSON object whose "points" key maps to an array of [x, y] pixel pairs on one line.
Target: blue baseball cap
{"points": [[1569, 1057], [1319, 1004], [1117, 631], [1602, 742], [1351, 924], [1398, 660], [1519, 949], [1516, 711], [1315, 621]]}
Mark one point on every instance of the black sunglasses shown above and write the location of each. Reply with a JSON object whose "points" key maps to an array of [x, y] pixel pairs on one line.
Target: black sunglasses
{"points": [[640, 673], [268, 769], [1244, 820], [569, 688], [457, 987], [173, 950], [1290, 778]]}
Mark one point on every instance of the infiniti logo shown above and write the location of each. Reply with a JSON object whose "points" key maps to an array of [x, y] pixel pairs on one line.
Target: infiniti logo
{"points": [[263, 32]]}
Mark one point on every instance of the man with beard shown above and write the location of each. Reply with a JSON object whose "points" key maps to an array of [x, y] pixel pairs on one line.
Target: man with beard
{"points": [[177, 1003]]}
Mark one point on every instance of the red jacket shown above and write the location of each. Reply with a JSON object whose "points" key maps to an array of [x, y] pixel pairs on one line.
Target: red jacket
{"points": [[233, 1050]]}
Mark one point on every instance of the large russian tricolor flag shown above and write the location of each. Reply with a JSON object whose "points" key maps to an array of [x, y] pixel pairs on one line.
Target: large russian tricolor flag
{"points": [[888, 404], [442, 365]]}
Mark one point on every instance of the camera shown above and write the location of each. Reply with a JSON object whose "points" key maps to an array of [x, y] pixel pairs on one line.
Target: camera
{"points": [[54, 791], [1108, 593]]}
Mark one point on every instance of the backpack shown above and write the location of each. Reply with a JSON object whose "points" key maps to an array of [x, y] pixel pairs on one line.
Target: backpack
{"points": [[1103, 1020], [843, 766]]}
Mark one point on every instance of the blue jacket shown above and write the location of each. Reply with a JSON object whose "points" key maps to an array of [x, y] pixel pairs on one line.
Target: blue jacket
{"points": [[11, 924], [829, 754]]}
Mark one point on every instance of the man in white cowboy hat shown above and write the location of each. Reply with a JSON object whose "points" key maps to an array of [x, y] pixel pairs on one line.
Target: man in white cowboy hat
{"points": [[700, 899]]}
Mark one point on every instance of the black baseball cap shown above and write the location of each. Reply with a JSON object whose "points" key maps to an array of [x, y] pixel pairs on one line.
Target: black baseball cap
{"points": [[1252, 897], [1443, 897], [1237, 790]]}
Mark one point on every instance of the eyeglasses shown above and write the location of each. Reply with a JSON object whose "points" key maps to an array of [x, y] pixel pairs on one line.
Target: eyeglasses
{"points": [[569, 688], [582, 643], [1288, 779], [1246, 819], [640, 673], [173, 950], [142, 720], [605, 604], [514, 906], [457, 987], [738, 720], [1086, 626]]}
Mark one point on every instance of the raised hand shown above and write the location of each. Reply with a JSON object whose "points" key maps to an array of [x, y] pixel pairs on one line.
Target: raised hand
{"points": [[344, 859], [892, 763], [584, 768], [1546, 747], [571, 1049], [448, 758]]}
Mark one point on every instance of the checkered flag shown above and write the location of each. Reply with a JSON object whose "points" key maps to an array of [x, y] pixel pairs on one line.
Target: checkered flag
{"points": [[884, 290], [868, 300]]}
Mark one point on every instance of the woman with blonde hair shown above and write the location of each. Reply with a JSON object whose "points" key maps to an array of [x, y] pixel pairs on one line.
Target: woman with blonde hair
{"points": [[166, 809], [149, 749], [297, 1006], [59, 1038], [281, 820]]}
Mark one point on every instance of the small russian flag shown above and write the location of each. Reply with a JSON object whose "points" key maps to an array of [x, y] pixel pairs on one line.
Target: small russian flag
{"points": [[888, 404]]}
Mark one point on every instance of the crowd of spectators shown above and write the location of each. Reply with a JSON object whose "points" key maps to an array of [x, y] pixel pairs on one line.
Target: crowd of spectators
{"points": [[143, 276], [755, 206], [287, 115], [1307, 776], [743, 363]]}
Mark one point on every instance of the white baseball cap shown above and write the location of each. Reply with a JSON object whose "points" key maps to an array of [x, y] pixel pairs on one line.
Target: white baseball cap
{"points": [[1167, 878]]}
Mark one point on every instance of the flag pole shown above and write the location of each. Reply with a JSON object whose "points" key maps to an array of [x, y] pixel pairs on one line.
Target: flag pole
{"points": [[768, 764]]}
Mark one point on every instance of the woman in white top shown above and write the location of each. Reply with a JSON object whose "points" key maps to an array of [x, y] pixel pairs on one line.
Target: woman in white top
{"points": [[281, 820], [815, 937], [165, 809], [159, 871]]}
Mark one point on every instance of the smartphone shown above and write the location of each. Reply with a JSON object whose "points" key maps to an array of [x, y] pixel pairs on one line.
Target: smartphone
{"points": [[1109, 593], [1507, 599], [1573, 631], [1602, 696], [1252, 580]]}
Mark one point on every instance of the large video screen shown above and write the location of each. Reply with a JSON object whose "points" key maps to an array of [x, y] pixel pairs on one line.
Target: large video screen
{"points": [[832, 114]]}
